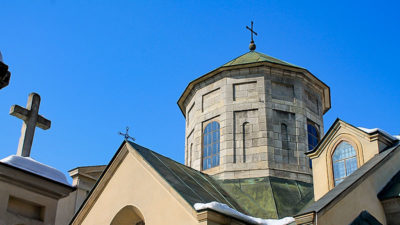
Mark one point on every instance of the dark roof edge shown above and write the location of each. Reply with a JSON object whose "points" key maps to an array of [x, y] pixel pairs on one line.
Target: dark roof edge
{"points": [[79, 167], [97, 182], [339, 120], [155, 154], [387, 186]]}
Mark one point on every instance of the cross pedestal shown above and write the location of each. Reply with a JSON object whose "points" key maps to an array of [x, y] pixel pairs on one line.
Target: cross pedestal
{"points": [[31, 119]]}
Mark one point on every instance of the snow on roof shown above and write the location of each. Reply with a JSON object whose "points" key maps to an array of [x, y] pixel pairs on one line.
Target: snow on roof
{"points": [[370, 131], [224, 209], [33, 166]]}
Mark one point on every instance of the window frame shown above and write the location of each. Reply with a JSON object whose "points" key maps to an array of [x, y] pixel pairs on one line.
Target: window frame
{"points": [[317, 128], [353, 141], [211, 144], [344, 162]]}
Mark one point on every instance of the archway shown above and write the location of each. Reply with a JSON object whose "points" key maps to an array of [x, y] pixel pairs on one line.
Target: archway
{"points": [[129, 215]]}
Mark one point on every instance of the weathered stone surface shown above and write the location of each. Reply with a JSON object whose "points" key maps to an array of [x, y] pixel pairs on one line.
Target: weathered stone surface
{"points": [[263, 114]]}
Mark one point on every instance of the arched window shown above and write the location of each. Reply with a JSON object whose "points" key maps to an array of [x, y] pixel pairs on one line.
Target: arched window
{"points": [[129, 215], [313, 137], [211, 145], [344, 161]]}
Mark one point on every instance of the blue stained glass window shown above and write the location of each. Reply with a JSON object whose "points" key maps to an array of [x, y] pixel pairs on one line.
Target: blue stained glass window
{"points": [[344, 161], [313, 138], [211, 145]]}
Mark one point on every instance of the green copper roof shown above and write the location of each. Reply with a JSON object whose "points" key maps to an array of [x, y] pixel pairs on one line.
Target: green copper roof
{"points": [[270, 197], [264, 197], [253, 57], [194, 186]]}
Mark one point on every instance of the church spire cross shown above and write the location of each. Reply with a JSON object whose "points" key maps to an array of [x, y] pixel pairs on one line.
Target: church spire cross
{"points": [[31, 119], [252, 46], [126, 135]]}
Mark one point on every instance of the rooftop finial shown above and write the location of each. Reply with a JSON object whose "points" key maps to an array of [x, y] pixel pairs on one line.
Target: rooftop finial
{"points": [[252, 46], [126, 135]]}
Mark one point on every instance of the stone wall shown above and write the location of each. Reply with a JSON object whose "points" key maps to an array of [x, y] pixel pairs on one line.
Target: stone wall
{"points": [[263, 113]]}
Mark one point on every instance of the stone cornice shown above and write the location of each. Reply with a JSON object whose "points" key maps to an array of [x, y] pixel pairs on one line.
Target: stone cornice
{"points": [[192, 84]]}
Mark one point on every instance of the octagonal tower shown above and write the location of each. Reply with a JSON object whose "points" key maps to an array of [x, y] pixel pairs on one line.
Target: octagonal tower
{"points": [[255, 116]]}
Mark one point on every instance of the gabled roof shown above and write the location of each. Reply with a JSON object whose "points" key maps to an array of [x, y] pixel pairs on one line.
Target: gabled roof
{"points": [[336, 125], [392, 189], [365, 218], [351, 180], [253, 57], [194, 186]]}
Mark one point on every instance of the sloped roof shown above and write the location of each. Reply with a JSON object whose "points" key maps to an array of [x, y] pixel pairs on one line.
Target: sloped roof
{"points": [[33, 166], [266, 197], [392, 189], [365, 218], [194, 186], [253, 57], [393, 139], [347, 183], [270, 197]]}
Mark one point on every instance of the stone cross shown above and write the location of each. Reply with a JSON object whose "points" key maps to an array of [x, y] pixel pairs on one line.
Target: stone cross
{"points": [[31, 120]]}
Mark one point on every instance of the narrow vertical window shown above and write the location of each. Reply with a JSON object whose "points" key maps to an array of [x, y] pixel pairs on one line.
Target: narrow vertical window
{"points": [[211, 145], [344, 161], [245, 129], [284, 137], [190, 155], [313, 137]]}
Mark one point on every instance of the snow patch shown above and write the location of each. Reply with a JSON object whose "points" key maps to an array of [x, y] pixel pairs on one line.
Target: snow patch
{"points": [[224, 209], [33, 166], [370, 131]]}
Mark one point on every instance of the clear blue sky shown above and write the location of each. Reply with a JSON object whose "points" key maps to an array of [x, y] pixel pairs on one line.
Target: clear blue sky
{"points": [[102, 65]]}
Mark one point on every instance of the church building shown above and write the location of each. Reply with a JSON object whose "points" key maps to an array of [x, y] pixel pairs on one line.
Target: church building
{"points": [[255, 153], [253, 147]]}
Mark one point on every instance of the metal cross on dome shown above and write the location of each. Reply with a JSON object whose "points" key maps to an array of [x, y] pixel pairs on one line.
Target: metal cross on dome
{"points": [[252, 46], [126, 135]]}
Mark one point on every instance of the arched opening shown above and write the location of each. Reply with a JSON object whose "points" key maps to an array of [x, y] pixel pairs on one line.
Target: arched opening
{"points": [[211, 145], [313, 137], [344, 161], [129, 215]]}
